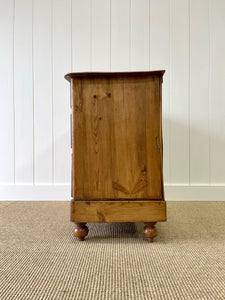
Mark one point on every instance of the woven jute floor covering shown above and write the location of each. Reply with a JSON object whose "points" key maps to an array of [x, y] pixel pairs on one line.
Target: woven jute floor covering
{"points": [[40, 258]]}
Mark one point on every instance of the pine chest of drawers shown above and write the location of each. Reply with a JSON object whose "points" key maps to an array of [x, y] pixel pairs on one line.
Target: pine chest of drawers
{"points": [[117, 155]]}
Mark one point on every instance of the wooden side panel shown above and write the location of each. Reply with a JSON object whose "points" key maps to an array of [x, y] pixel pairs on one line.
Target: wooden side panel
{"points": [[97, 102], [116, 138], [77, 139], [92, 146], [129, 161], [118, 211], [153, 138], [120, 183]]}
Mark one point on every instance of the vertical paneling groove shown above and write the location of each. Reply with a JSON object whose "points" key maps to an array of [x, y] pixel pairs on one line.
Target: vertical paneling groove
{"points": [[110, 34], [171, 3], [218, 93], [81, 36], [210, 84], [179, 108], [7, 154], [139, 35], [43, 91], [52, 70], [199, 94], [33, 91], [23, 96], [41, 40], [120, 31], [14, 125], [91, 37], [72, 38], [129, 35], [189, 86], [149, 37], [100, 48], [61, 64], [160, 59]]}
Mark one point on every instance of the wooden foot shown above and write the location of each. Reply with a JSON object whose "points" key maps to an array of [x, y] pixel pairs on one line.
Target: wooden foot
{"points": [[150, 231], [80, 231]]}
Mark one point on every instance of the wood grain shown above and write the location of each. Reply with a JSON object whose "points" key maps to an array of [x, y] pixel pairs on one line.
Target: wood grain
{"points": [[70, 76], [154, 140], [116, 136], [117, 155], [118, 211]]}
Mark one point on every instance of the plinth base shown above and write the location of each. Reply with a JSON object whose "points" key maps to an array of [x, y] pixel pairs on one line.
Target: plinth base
{"points": [[98, 211]]}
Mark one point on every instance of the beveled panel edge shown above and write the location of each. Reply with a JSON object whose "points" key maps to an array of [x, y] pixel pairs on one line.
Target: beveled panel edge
{"points": [[69, 76]]}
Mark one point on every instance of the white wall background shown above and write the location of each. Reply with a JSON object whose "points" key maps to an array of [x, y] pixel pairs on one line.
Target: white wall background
{"points": [[42, 40]]}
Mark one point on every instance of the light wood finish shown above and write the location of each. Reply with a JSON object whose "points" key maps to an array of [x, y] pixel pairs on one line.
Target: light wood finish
{"points": [[116, 137], [118, 211]]}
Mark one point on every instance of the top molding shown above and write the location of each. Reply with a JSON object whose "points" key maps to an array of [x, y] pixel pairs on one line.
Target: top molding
{"points": [[69, 76]]}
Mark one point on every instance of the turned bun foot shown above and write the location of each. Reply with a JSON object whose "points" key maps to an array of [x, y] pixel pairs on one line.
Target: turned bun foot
{"points": [[80, 231], [150, 231]]}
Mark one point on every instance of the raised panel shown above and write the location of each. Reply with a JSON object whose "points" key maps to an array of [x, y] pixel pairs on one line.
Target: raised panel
{"points": [[116, 138]]}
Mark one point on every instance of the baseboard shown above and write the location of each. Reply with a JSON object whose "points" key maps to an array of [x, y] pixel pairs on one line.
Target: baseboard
{"points": [[195, 192], [35, 192], [173, 192]]}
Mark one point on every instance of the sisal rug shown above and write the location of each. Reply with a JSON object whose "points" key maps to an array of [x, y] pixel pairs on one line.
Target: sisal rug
{"points": [[40, 258]]}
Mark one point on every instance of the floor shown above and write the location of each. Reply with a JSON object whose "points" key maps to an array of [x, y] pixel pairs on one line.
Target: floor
{"points": [[40, 258]]}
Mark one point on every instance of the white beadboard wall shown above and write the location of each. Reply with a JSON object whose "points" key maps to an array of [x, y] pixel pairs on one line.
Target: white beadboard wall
{"points": [[42, 40]]}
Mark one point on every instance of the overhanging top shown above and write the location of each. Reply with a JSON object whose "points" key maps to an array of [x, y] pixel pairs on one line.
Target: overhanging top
{"points": [[112, 74]]}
